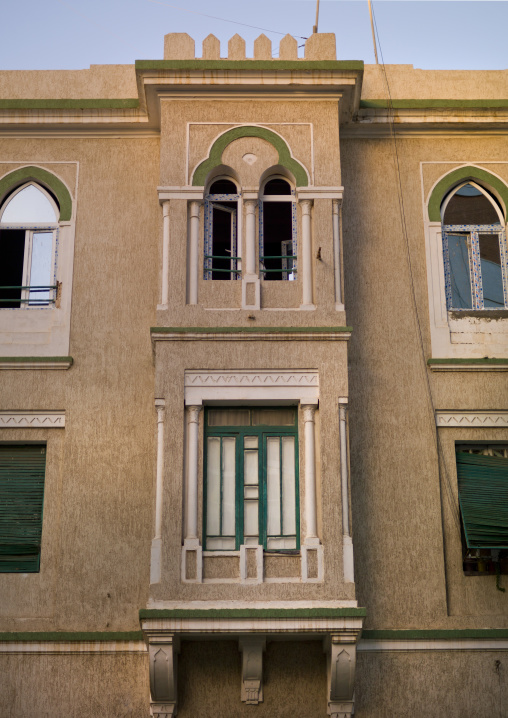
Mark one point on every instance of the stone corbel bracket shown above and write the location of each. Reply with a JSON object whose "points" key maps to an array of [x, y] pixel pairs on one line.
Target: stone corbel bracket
{"points": [[252, 649], [163, 650], [341, 664]]}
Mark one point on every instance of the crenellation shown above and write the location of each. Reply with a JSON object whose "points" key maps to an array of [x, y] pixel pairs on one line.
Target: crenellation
{"points": [[180, 46]]}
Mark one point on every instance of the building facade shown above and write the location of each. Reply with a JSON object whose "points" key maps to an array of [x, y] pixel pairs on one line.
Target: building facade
{"points": [[254, 410]]}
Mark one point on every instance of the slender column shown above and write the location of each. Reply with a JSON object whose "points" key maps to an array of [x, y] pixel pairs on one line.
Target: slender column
{"points": [[336, 250], [165, 255], [347, 542], [193, 252], [311, 536], [156, 552], [306, 263], [250, 237], [191, 531]]}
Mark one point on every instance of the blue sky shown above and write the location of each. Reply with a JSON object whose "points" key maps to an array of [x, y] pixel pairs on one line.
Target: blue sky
{"points": [[73, 34]]}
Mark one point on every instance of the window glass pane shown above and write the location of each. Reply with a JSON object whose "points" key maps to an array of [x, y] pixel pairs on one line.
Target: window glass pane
{"points": [[221, 544], [492, 279], [223, 219], [470, 206], [12, 251], [459, 271], [276, 544], [273, 485], [250, 467], [228, 417], [277, 231], [288, 486], [28, 206], [250, 442], [250, 518], [273, 417], [228, 486], [213, 487], [40, 270]]}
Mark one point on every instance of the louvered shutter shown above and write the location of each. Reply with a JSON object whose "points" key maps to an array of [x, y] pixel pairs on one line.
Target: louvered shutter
{"points": [[483, 497], [22, 469]]}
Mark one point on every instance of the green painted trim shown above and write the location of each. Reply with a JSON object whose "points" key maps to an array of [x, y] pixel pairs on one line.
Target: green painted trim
{"points": [[71, 636], [249, 330], [68, 104], [56, 186], [433, 635], [478, 362], [252, 613], [220, 144], [433, 104], [459, 175], [304, 65], [38, 360]]}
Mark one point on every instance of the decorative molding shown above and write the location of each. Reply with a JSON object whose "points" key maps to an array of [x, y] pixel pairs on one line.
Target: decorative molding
{"points": [[250, 385], [341, 651], [468, 364], [311, 193], [384, 646], [163, 650], [252, 669], [47, 179], [36, 362], [32, 420], [72, 647], [468, 419]]}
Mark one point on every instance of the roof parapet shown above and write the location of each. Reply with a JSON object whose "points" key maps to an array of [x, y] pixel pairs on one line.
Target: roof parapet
{"points": [[180, 46]]}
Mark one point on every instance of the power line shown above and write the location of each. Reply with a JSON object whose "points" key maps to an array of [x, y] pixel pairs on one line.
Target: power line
{"points": [[222, 19]]}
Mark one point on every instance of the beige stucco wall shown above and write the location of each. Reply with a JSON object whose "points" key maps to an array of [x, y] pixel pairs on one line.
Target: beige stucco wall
{"points": [[99, 81], [98, 501], [399, 552]]}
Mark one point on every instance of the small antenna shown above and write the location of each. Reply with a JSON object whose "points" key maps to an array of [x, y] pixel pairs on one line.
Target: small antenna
{"points": [[314, 29], [373, 33]]}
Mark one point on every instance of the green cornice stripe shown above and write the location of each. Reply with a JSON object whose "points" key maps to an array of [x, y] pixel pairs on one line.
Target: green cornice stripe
{"points": [[304, 65], [429, 635], [248, 330], [36, 360], [68, 104], [460, 175], [211, 613], [433, 104], [45, 178], [72, 636], [478, 362], [220, 144]]}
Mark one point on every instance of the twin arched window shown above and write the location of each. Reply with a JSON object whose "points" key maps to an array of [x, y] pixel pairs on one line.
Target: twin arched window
{"points": [[277, 231], [28, 248], [474, 249]]}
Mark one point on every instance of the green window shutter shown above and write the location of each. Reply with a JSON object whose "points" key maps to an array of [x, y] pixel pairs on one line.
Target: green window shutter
{"points": [[22, 469], [483, 497]]}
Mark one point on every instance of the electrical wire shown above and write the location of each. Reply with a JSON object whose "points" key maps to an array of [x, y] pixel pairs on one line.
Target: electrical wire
{"points": [[442, 464], [222, 19]]}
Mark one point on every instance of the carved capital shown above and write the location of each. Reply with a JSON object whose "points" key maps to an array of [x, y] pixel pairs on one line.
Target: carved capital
{"points": [[252, 669], [306, 205], [335, 206], [165, 208], [163, 710], [250, 206], [308, 412], [342, 412], [194, 208], [160, 406], [193, 414]]}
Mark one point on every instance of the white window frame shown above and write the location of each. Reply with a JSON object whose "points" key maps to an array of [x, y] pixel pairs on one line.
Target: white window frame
{"points": [[286, 276], [212, 201], [459, 333]]}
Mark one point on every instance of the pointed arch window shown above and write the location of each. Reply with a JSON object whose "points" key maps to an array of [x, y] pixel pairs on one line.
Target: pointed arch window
{"points": [[28, 248], [474, 249], [277, 231], [221, 219]]}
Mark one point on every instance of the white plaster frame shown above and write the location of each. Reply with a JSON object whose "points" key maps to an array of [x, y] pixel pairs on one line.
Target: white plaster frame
{"points": [[452, 336], [32, 419], [472, 419]]}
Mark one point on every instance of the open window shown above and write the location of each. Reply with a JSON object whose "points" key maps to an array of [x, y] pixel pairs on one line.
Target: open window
{"points": [[474, 250], [277, 231], [28, 248], [251, 478], [482, 474], [221, 212]]}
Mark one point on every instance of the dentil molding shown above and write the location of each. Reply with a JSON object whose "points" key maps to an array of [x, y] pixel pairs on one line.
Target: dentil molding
{"points": [[32, 419], [472, 418]]}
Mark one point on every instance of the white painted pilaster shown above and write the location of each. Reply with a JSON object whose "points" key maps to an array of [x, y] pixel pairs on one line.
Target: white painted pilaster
{"points": [[305, 266], [156, 551], [192, 297], [251, 290], [311, 537], [336, 254], [165, 256], [191, 513], [347, 541]]}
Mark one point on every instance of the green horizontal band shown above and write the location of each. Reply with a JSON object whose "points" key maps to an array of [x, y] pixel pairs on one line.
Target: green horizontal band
{"points": [[478, 362], [69, 104], [432, 635], [304, 65], [433, 104], [72, 636], [211, 613], [35, 360]]}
